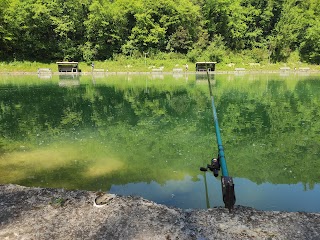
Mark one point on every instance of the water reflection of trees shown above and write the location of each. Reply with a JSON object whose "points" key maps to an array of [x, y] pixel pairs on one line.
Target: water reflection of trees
{"points": [[270, 129]]}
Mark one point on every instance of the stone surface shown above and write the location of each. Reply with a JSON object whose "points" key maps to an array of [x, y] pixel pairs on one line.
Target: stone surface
{"points": [[42, 213]]}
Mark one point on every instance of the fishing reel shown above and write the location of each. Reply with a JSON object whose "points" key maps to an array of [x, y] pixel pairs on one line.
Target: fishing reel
{"points": [[213, 167]]}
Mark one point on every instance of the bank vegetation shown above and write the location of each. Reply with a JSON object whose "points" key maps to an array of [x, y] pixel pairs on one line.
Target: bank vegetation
{"points": [[238, 31]]}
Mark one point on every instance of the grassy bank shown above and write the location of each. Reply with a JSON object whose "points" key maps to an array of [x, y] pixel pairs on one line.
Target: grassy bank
{"points": [[146, 64]]}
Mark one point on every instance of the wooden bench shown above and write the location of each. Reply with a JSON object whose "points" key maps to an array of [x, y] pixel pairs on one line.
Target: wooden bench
{"points": [[177, 70], [285, 69], [304, 69], [155, 70], [254, 64], [44, 71], [98, 70]]}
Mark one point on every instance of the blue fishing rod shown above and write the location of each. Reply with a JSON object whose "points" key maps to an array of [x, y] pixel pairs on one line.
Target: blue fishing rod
{"points": [[220, 162]]}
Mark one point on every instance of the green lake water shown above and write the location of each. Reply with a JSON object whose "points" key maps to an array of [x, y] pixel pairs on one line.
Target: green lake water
{"points": [[147, 135]]}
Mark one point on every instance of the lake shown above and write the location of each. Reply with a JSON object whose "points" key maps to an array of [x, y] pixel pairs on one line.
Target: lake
{"points": [[148, 135]]}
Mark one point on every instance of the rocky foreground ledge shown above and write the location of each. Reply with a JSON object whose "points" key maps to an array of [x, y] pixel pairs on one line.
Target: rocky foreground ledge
{"points": [[43, 213]]}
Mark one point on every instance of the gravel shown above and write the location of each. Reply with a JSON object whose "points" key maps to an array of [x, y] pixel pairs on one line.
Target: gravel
{"points": [[45, 213]]}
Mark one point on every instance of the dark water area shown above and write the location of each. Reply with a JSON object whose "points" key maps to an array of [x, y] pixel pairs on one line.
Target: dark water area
{"points": [[148, 135]]}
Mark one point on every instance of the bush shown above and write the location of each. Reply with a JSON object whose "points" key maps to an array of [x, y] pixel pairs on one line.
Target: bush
{"points": [[216, 50]]}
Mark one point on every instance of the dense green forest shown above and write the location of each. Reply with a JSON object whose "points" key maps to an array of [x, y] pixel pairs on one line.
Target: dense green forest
{"points": [[217, 30]]}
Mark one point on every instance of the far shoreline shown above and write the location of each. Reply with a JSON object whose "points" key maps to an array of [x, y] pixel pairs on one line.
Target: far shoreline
{"points": [[149, 65], [218, 72]]}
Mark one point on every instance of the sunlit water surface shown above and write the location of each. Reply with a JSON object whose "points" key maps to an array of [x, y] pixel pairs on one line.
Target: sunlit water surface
{"points": [[147, 135]]}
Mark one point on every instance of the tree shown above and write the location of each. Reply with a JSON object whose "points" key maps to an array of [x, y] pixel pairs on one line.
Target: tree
{"points": [[44, 29], [310, 47], [15, 29], [5, 36], [105, 28], [158, 22], [67, 17], [216, 50], [243, 24], [147, 33], [290, 29], [180, 41]]}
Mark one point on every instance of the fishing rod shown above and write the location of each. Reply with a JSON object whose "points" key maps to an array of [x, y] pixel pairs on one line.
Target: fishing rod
{"points": [[220, 162]]}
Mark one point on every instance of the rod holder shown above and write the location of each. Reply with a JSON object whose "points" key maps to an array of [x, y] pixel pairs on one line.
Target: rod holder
{"points": [[229, 197]]}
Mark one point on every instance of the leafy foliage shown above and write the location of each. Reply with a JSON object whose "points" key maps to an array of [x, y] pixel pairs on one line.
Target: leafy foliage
{"points": [[101, 29]]}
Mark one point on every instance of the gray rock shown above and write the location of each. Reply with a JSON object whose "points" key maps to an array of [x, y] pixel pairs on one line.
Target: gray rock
{"points": [[29, 213]]}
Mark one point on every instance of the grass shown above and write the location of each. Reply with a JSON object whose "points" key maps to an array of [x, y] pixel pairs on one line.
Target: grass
{"points": [[123, 64], [25, 66]]}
